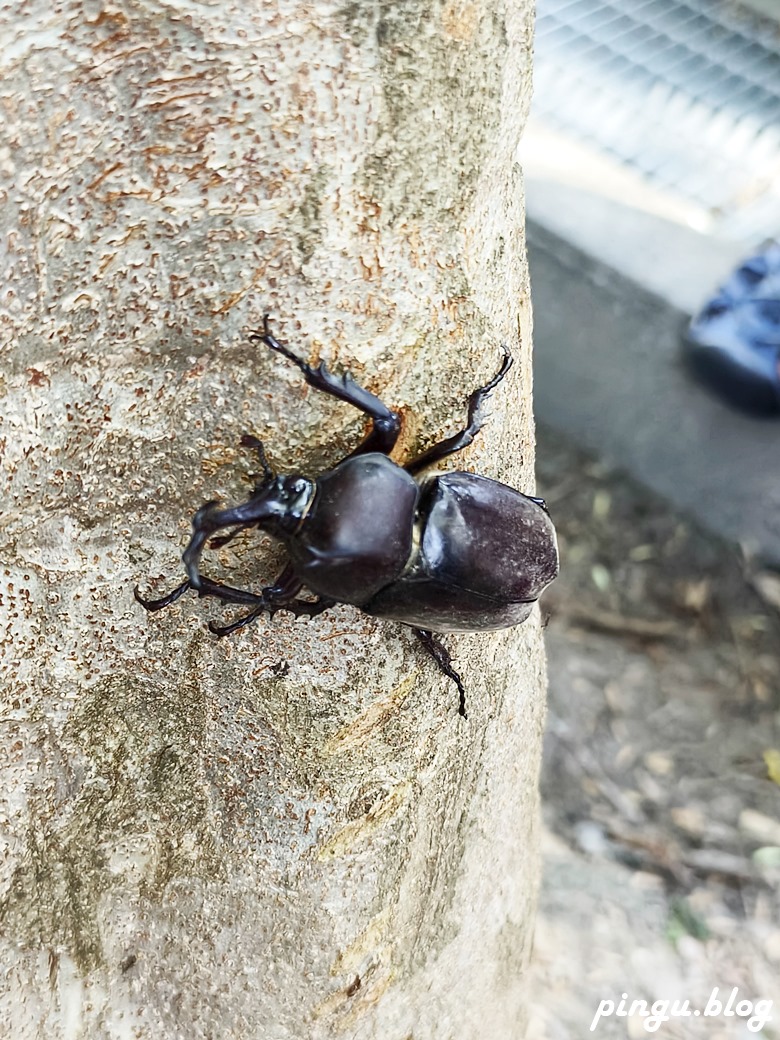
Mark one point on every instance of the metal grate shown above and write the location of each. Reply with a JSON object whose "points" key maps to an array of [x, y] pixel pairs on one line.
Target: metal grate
{"points": [[688, 93]]}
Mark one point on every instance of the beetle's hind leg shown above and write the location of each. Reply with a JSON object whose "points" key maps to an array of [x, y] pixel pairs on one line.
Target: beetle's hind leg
{"points": [[386, 423], [465, 436], [441, 656]]}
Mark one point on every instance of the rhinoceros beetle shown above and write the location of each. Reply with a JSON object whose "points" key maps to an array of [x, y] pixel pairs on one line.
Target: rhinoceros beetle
{"points": [[444, 552]]}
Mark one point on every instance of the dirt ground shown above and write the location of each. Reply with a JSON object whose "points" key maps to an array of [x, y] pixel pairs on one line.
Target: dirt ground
{"points": [[661, 780]]}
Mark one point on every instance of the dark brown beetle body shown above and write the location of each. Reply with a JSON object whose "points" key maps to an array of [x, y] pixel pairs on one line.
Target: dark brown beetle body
{"points": [[465, 573], [443, 552], [439, 554]]}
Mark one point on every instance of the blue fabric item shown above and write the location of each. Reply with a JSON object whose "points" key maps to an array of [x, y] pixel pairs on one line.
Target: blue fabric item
{"points": [[733, 343]]}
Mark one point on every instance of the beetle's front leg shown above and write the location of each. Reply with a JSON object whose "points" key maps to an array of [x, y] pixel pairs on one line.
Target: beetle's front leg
{"points": [[207, 588], [441, 656], [286, 586], [255, 444], [386, 424]]}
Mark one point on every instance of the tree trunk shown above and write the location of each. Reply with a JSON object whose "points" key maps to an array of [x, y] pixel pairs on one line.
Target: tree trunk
{"points": [[290, 833]]}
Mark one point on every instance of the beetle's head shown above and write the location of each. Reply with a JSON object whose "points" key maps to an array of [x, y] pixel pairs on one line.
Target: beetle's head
{"points": [[281, 502], [285, 501], [278, 505]]}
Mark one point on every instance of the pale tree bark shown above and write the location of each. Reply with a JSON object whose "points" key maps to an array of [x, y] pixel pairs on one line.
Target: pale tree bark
{"points": [[290, 834]]}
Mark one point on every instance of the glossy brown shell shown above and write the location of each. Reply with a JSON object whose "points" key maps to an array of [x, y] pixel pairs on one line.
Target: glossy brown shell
{"points": [[484, 554]]}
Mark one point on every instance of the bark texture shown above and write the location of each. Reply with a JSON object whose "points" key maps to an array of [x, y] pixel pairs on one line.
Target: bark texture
{"points": [[289, 834]]}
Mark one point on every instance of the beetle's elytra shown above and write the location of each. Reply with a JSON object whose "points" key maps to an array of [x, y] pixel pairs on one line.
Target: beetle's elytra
{"points": [[441, 552]]}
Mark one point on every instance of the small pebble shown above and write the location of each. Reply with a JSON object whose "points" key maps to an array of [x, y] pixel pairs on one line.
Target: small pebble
{"points": [[760, 827]]}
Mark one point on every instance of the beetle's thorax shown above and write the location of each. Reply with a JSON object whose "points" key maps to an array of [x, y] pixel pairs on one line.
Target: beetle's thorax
{"points": [[357, 535]]}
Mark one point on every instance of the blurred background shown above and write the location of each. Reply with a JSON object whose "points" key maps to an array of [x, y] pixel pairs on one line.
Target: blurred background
{"points": [[652, 165]]}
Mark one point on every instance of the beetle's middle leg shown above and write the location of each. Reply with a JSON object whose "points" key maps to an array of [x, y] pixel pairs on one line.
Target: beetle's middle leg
{"points": [[386, 423], [441, 656], [465, 436], [279, 596], [298, 607]]}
